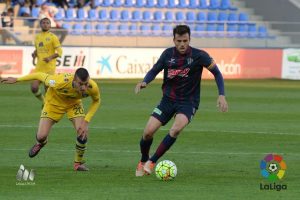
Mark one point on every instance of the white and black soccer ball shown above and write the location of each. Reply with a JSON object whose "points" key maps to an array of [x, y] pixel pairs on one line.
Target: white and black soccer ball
{"points": [[273, 167]]}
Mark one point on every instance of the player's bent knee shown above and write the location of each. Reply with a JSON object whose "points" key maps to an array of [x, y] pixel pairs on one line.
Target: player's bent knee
{"points": [[174, 132], [34, 89]]}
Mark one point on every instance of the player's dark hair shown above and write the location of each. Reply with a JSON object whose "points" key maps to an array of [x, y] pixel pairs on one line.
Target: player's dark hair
{"points": [[45, 18], [82, 74], [181, 29]]}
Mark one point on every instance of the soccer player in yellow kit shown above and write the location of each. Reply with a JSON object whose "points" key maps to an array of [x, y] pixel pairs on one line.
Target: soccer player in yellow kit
{"points": [[64, 95], [47, 49]]}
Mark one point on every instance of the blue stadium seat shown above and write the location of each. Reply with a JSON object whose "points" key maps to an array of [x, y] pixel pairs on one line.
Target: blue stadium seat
{"points": [[103, 16], [242, 31], [150, 4], [67, 26], [171, 4], [92, 15], [161, 4], [211, 30], [136, 16], [77, 29], [60, 15], [145, 30], [106, 3], [231, 30], [214, 4], [182, 4], [100, 29], [81, 14], [35, 11], [251, 31], [24, 11], [158, 16], [233, 18], [167, 30], [201, 17], [226, 5], [128, 3], [117, 3], [220, 30], [156, 30], [97, 3], [169, 16], [222, 17], [88, 29], [203, 4], [40, 2], [180, 16], [199, 30], [70, 14], [190, 17], [193, 4], [114, 15], [133, 30], [243, 18], [112, 29], [139, 3], [123, 29], [147, 16], [125, 15], [262, 32], [212, 17]]}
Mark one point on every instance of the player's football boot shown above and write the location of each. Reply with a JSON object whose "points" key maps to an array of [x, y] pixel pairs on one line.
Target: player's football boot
{"points": [[149, 167], [140, 169], [79, 166], [35, 149]]}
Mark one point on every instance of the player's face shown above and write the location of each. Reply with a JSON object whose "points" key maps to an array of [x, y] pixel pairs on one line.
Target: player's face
{"points": [[81, 86], [182, 42], [45, 25]]}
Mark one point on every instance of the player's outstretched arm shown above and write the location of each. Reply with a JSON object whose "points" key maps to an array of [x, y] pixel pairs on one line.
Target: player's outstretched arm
{"points": [[8, 80], [222, 103], [140, 86]]}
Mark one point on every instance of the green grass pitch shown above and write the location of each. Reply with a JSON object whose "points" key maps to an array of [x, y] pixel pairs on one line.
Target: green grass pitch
{"points": [[217, 155]]}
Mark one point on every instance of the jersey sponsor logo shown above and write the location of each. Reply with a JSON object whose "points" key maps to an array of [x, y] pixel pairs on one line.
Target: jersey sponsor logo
{"points": [[157, 111], [178, 72]]}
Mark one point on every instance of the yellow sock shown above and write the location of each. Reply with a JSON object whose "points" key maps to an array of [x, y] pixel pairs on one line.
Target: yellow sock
{"points": [[80, 149]]}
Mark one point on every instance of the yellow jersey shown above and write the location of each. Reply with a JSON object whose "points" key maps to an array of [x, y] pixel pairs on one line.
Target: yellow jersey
{"points": [[61, 92], [46, 44]]}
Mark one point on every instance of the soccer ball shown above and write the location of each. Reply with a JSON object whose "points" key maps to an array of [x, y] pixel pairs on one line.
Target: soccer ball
{"points": [[166, 170], [273, 167]]}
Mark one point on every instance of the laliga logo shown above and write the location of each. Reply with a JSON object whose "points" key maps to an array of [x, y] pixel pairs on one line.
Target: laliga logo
{"points": [[273, 168]]}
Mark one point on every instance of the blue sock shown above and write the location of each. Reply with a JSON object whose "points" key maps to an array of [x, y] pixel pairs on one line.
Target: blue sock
{"points": [[167, 142], [145, 148]]}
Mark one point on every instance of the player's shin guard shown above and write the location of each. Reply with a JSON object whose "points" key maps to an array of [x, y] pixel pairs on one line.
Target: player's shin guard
{"points": [[145, 148], [39, 95], [80, 149], [167, 142]]}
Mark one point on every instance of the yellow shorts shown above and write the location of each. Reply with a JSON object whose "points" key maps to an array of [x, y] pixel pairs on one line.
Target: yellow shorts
{"points": [[56, 113]]}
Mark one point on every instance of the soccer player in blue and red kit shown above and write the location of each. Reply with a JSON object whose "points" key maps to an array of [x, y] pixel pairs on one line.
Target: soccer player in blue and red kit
{"points": [[183, 66]]}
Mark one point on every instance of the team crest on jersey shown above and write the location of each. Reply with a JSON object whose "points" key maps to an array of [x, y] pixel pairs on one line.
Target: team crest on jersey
{"points": [[178, 72], [172, 61], [51, 83]]}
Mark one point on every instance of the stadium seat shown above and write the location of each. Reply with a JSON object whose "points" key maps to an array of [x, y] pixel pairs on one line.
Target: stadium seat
{"points": [[139, 3], [147, 16], [243, 18], [125, 15], [201, 17], [128, 3], [210, 30], [136, 16], [169, 16], [40, 2], [77, 29], [156, 30], [251, 31], [212, 17], [106, 3], [114, 15], [171, 4], [92, 15], [226, 5], [222, 17], [145, 30], [67, 26], [103, 16], [242, 31], [133, 30], [180, 16], [167, 30], [100, 29], [70, 14], [35, 11], [112, 29], [81, 14], [97, 3], [190, 17], [60, 15], [88, 29], [158, 16], [24, 11], [123, 29], [262, 32], [203, 4], [232, 18], [117, 3], [199, 30], [150, 4], [182, 4], [161, 4], [214, 4], [231, 30], [193, 4], [220, 30]]}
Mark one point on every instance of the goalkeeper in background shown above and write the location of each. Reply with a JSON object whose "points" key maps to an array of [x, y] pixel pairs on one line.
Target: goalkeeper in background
{"points": [[47, 49], [64, 96]]}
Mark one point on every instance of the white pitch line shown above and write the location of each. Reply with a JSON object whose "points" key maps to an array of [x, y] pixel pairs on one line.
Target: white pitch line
{"points": [[164, 129], [169, 152]]}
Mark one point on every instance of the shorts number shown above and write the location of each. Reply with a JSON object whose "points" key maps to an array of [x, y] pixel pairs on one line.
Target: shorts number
{"points": [[78, 110]]}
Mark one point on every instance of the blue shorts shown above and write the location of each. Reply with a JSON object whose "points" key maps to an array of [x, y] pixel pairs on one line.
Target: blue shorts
{"points": [[166, 109]]}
